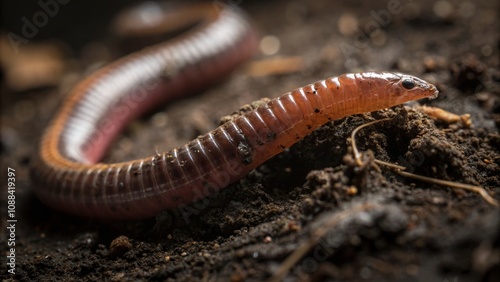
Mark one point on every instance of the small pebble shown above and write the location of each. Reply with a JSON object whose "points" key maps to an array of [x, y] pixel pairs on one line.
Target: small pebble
{"points": [[269, 45], [160, 120], [293, 226], [119, 246], [347, 24]]}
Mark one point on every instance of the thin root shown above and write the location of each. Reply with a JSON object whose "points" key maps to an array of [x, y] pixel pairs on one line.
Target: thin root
{"points": [[477, 189], [357, 154], [399, 170]]}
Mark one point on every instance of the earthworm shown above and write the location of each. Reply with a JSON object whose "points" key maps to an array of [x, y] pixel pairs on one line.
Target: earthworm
{"points": [[66, 173]]}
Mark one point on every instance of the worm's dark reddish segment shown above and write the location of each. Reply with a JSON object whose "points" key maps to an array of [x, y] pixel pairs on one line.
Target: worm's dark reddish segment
{"points": [[67, 178]]}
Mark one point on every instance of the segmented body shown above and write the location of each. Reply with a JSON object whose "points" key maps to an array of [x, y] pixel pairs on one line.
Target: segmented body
{"points": [[67, 177]]}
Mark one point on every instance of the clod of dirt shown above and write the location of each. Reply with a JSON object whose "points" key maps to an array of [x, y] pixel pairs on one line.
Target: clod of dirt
{"points": [[119, 246]]}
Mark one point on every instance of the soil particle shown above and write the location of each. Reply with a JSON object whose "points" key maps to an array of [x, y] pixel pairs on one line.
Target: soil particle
{"points": [[119, 246]]}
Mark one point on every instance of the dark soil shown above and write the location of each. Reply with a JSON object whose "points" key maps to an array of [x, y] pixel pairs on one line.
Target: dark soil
{"points": [[351, 222]]}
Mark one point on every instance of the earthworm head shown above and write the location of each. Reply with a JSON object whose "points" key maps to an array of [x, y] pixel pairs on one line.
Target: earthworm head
{"points": [[404, 88]]}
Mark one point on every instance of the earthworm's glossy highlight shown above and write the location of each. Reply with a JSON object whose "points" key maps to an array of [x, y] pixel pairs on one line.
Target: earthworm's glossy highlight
{"points": [[67, 177]]}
